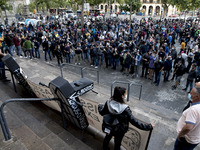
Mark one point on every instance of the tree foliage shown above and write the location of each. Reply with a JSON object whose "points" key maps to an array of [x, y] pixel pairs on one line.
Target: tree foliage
{"points": [[131, 5], [94, 2], [187, 4], [20, 8]]}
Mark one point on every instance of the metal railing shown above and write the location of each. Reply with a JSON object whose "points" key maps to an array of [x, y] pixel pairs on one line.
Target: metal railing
{"points": [[85, 68], [129, 87], [12, 76], [63, 64], [81, 68], [3, 121]]}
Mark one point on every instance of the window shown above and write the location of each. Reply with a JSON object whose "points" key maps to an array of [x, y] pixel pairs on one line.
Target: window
{"points": [[101, 6], [158, 1], [144, 1], [151, 1]]}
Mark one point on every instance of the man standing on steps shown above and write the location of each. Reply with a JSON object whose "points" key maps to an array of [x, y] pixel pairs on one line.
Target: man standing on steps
{"points": [[188, 126]]}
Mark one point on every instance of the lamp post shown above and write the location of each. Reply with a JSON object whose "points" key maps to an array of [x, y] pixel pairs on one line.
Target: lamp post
{"points": [[161, 13]]}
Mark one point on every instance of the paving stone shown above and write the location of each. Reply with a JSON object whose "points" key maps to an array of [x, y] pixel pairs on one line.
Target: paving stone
{"points": [[27, 137], [16, 146], [56, 143]]}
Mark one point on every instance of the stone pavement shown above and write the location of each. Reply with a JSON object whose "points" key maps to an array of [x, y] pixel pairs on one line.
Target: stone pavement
{"points": [[163, 135]]}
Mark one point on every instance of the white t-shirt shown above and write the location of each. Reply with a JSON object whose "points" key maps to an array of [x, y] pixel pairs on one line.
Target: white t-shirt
{"points": [[192, 116]]}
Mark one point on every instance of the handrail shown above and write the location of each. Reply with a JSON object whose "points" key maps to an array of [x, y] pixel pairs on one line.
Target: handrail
{"points": [[3, 122], [129, 86], [140, 88], [85, 68], [82, 70], [61, 67], [12, 78]]}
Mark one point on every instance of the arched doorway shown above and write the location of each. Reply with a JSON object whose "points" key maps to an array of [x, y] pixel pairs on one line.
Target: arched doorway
{"points": [[157, 10], [150, 10], [144, 10], [111, 9], [116, 8], [106, 8], [101, 7]]}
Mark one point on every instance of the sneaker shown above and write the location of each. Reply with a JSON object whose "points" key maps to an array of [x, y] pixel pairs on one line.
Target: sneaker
{"points": [[75, 63], [96, 67], [20, 57], [184, 89], [79, 63], [91, 65]]}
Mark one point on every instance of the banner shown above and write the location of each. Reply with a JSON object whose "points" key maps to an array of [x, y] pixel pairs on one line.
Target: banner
{"points": [[134, 139]]}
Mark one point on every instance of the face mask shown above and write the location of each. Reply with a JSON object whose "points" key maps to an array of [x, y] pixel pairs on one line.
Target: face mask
{"points": [[189, 97], [160, 60], [179, 56], [125, 98]]}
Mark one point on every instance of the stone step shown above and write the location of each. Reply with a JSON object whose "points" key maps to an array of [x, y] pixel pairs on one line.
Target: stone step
{"points": [[36, 126]]}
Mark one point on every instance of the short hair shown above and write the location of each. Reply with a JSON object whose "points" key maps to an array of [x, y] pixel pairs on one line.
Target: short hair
{"points": [[197, 89], [118, 93]]}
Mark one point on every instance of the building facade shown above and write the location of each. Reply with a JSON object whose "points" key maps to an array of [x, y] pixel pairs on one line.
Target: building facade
{"points": [[149, 8]]}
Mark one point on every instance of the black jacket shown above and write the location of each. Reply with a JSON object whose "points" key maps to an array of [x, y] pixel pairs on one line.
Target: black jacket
{"points": [[124, 115], [192, 75]]}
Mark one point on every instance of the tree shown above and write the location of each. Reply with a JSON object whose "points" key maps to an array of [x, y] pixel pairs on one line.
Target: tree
{"points": [[31, 6], [4, 5], [20, 8], [132, 6]]}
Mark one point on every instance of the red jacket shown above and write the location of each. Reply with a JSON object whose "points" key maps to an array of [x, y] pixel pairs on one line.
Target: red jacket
{"points": [[16, 41]]}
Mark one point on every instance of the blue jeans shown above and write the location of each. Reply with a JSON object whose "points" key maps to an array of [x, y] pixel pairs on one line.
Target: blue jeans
{"points": [[32, 52], [100, 59], [18, 50], [2, 72], [86, 56], [198, 70], [37, 53], [189, 83], [157, 77], [166, 75], [183, 145], [95, 62], [114, 63], [68, 58], [45, 56], [11, 49]]}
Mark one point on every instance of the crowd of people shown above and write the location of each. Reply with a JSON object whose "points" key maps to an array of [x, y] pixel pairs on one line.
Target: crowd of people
{"points": [[147, 45]]}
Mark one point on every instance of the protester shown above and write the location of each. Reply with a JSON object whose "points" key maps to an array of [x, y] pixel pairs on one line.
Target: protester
{"points": [[191, 77], [116, 106]]}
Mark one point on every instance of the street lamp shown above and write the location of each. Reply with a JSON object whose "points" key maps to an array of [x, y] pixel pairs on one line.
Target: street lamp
{"points": [[161, 13]]}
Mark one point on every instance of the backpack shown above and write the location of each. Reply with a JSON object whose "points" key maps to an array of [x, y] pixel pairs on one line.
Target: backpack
{"points": [[110, 123]]}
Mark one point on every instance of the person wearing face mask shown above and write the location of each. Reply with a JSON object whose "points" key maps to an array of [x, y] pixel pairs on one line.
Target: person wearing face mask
{"points": [[188, 126], [117, 106], [191, 76], [167, 68], [173, 53], [178, 60], [159, 65]]}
